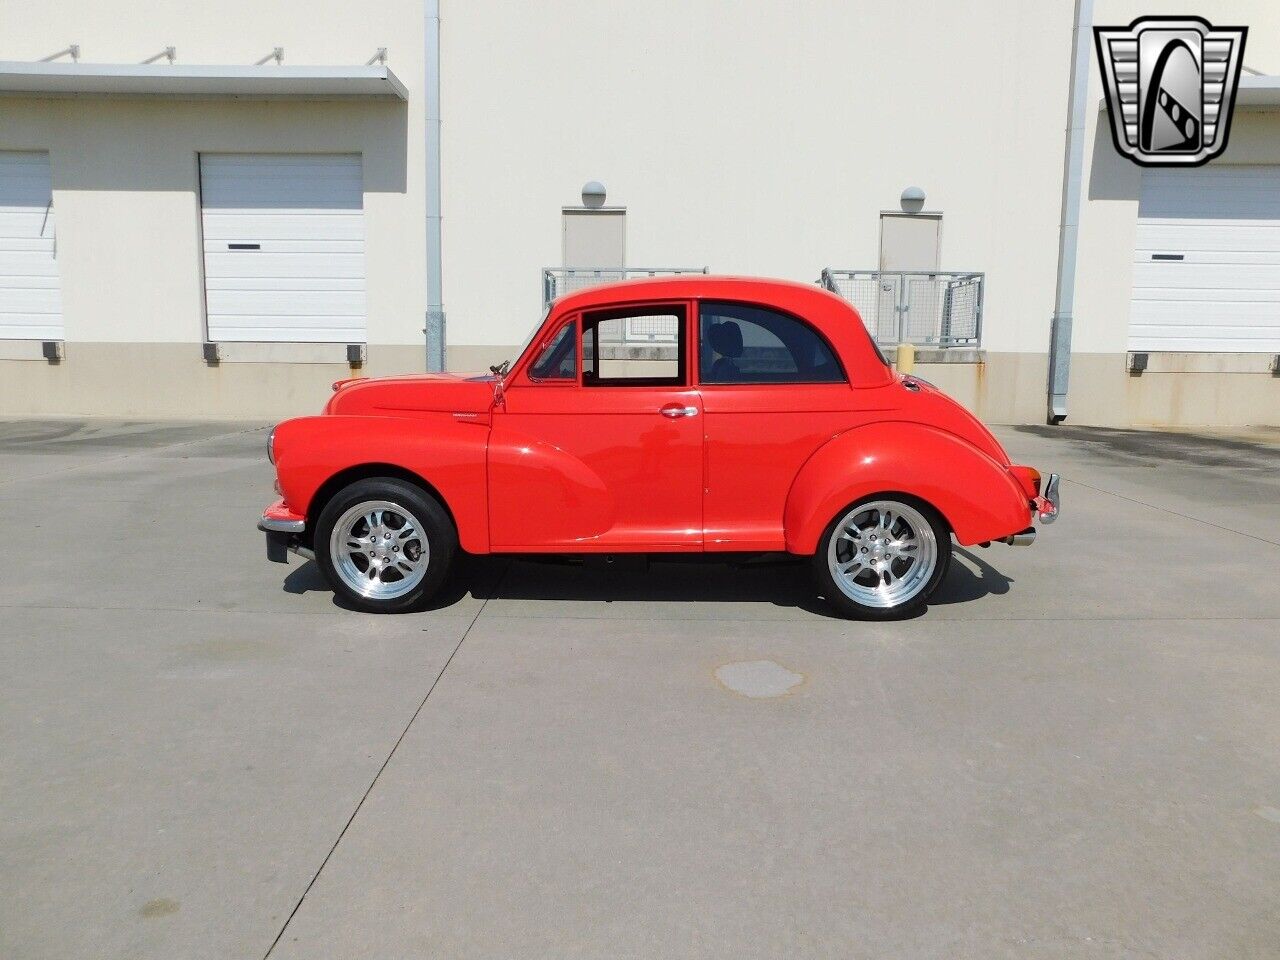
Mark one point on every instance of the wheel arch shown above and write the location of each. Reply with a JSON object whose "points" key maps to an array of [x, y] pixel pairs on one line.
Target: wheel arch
{"points": [[906, 495], [976, 497], [368, 471]]}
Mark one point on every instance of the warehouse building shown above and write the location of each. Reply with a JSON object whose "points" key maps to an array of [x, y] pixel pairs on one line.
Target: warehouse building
{"points": [[217, 210]]}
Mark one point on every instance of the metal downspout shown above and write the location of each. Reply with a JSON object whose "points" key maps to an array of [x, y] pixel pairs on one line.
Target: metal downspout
{"points": [[1073, 174], [435, 328]]}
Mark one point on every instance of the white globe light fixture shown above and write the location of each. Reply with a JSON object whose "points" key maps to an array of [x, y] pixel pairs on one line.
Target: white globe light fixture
{"points": [[593, 194]]}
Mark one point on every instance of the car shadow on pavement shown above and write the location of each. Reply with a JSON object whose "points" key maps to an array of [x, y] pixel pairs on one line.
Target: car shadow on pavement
{"points": [[472, 576], [970, 578], [780, 580]]}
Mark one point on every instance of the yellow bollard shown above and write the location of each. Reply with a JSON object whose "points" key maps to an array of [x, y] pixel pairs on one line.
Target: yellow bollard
{"points": [[906, 359]]}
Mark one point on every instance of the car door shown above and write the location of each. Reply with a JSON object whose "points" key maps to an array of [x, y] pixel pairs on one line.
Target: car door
{"points": [[597, 445], [773, 391]]}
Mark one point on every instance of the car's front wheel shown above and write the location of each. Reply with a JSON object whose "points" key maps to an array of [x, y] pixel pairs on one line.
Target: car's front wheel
{"points": [[385, 545], [883, 557]]}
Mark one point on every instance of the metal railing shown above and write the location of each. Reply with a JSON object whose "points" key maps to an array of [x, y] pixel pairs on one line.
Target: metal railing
{"points": [[557, 281], [925, 308]]}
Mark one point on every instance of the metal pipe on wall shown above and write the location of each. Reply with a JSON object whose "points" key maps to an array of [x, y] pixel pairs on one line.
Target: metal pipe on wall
{"points": [[1068, 238], [435, 328]]}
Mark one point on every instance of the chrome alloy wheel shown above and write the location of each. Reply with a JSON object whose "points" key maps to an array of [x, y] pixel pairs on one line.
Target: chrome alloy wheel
{"points": [[379, 550], [882, 553]]}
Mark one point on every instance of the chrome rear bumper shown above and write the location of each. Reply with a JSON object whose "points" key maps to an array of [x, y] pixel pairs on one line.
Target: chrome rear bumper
{"points": [[1044, 508], [1050, 501]]}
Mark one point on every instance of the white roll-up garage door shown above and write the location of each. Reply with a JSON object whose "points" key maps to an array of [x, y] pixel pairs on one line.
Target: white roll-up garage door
{"points": [[283, 247], [30, 299], [1206, 273]]}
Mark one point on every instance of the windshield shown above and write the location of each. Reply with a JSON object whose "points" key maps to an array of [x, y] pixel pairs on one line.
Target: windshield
{"points": [[506, 365]]}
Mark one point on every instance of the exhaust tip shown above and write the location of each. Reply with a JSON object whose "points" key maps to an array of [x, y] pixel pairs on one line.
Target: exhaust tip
{"points": [[1024, 539]]}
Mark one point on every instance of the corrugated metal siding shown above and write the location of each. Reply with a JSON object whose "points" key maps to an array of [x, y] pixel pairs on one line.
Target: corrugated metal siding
{"points": [[305, 282], [30, 294], [1224, 294]]}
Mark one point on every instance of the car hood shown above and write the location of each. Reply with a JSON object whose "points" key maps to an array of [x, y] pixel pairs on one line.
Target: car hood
{"points": [[410, 395]]}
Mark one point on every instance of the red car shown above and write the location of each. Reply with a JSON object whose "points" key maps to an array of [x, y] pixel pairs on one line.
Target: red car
{"points": [[672, 415]]}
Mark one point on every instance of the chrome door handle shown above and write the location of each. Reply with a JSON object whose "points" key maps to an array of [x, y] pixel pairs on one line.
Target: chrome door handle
{"points": [[675, 411]]}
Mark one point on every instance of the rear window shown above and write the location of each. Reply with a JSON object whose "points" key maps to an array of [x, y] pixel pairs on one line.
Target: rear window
{"points": [[744, 343]]}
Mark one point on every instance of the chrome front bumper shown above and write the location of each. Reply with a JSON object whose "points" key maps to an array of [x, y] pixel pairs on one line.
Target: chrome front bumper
{"points": [[273, 525], [282, 537]]}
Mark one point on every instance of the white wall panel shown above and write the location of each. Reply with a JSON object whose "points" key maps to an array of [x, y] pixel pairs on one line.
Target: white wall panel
{"points": [[283, 247], [1224, 292], [30, 294]]}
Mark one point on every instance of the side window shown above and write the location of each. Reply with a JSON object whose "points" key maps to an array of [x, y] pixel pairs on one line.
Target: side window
{"points": [[636, 347], [739, 343], [559, 358]]}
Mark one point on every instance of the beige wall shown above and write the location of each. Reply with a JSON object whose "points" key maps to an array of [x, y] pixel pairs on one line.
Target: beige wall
{"points": [[1181, 390], [170, 381], [754, 138], [757, 139], [765, 141], [125, 187]]}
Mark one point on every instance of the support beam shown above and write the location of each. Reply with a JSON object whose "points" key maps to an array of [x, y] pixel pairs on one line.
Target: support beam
{"points": [[435, 322], [1068, 238]]}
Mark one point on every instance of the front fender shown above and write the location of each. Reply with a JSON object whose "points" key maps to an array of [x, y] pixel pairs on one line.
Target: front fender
{"points": [[979, 497], [444, 450]]}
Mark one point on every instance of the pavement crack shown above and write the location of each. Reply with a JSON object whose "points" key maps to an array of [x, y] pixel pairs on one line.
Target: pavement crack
{"points": [[394, 747], [1175, 513]]}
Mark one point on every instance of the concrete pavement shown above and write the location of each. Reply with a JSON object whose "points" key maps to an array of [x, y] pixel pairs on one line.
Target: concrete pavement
{"points": [[1073, 753]]}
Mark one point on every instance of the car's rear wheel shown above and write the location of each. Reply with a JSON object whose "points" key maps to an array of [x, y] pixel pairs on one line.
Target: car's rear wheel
{"points": [[385, 545], [883, 557]]}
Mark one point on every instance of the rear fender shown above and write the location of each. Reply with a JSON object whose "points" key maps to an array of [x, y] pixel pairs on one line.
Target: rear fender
{"points": [[977, 496]]}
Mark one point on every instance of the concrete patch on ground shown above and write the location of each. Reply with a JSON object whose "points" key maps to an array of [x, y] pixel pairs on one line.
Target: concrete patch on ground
{"points": [[758, 679], [1268, 813], [161, 907]]}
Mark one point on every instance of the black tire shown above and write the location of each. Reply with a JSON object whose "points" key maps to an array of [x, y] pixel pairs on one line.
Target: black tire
{"points": [[849, 606], [441, 541]]}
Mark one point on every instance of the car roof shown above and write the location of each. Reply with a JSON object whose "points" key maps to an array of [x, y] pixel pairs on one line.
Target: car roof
{"points": [[691, 286], [832, 315]]}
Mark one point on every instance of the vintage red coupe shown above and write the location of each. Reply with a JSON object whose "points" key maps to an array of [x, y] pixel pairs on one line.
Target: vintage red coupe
{"points": [[669, 415]]}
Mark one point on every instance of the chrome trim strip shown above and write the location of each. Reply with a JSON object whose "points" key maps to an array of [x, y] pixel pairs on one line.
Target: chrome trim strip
{"points": [[282, 526]]}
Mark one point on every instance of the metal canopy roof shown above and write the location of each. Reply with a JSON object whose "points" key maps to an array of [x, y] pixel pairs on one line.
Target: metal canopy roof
{"points": [[1258, 91], [272, 82]]}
